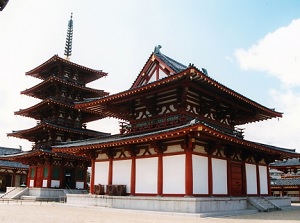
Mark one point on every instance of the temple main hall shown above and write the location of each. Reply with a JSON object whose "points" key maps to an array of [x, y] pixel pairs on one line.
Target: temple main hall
{"points": [[179, 137]]}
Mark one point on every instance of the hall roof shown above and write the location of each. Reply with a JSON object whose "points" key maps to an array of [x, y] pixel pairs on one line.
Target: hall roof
{"points": [[201, 80], [170, 133]]}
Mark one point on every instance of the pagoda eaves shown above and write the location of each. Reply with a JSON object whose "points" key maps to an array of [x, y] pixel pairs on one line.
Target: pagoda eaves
{"points": [[41, 70]]}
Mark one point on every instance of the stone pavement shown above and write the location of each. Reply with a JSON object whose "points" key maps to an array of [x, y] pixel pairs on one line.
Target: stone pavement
{"points": [[42, 212]]}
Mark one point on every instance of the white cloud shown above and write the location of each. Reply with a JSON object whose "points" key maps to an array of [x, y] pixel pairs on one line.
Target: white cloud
{"points": [[278, 54], [281, 132]]}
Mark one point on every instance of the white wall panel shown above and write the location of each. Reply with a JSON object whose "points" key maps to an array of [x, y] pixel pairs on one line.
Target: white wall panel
{"points": [[174, 174], [101, 173], [219, 175], [146, 175], [200, 174], [263, 179], [122, 173], [251, 179]]}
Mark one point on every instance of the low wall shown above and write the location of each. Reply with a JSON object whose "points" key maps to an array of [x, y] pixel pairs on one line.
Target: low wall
{"points": [[280, 201], [167, 204], [46, 192]]}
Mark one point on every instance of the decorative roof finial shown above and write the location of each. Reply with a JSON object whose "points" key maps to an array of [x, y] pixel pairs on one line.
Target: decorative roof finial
{"points": [[157, 49], [68, 47]]}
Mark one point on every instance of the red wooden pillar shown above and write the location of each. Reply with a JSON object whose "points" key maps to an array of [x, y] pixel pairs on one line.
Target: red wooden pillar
{"points": [[92, 182], [110, 171], [160, 174], [28, 176], [189, 172], [159, 149], [13, 180], [188, 147], [269, 183], [133, 152], [49, 177], [210, 149], [210, 176], [62, 176], [132, 179], [257, 179], [229, 177]]}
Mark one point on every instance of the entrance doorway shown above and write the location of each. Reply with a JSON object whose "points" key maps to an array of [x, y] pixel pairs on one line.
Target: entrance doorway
{"points": [[236, 179], [69, 179]]}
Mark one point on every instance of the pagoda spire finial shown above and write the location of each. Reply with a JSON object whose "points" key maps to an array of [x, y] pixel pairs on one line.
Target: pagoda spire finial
{"points": [[68, 47]]}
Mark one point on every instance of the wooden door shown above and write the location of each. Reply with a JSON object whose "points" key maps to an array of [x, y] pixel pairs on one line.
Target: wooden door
{"points": [[39, 177], [236, 179]]}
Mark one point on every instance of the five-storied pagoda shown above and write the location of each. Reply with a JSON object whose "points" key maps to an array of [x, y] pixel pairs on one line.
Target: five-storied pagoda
{"points": [[63, 84]]}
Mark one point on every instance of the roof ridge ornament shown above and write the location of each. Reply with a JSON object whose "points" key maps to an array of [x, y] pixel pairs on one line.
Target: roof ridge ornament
{"points": [[68, 47], [157, 49]]}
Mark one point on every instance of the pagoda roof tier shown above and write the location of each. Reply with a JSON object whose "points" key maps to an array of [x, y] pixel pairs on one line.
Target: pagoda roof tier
{"points": [[40, 90], [116, 105], [43, 71], [30, 134], [45, 106], [199, 130], [25, 156]]}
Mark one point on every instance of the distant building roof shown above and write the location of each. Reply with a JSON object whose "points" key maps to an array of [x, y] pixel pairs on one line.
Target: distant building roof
{"points": [[285, 182], [9, 151], [286, 163]]}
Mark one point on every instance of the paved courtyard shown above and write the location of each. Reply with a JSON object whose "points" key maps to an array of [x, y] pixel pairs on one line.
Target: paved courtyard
{"points": [[41, 212]]}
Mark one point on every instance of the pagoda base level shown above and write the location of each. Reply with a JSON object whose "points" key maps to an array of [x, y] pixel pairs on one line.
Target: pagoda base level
{"points": [[208, 205]]}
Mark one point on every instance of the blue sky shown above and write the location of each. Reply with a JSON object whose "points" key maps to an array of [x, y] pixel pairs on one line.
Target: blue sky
{"points": [[250, 46]]}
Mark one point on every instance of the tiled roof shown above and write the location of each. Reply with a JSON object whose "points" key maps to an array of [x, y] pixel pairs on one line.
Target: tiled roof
{"points": [[173, 64], [285, 182], [117, 140], [10, 151], [6, 151], [286, 163]]}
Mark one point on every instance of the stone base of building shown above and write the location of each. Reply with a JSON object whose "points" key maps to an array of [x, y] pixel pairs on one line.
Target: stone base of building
{"points": [[170, 204]]}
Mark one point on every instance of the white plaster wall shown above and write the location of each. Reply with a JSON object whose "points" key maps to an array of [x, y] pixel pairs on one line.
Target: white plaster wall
{"points": [[31, 183], [219, 176], [45, 183], [251, 180], [79, 185], [122, 173], [101, 173], [200, 174], [146, 175], [174, 174], [263, 179], [55, 183]]}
